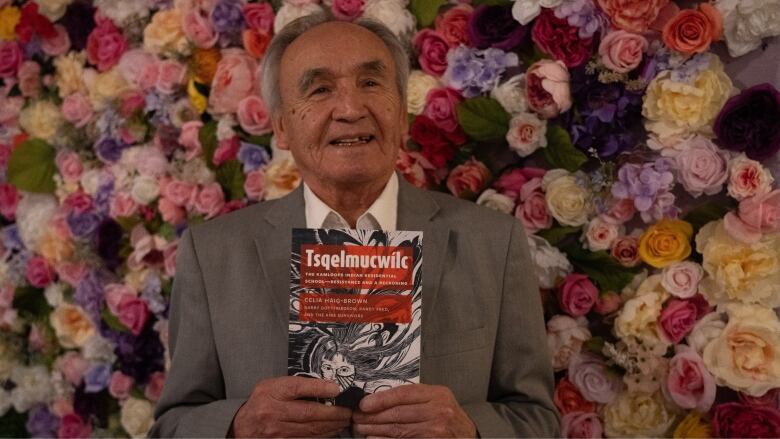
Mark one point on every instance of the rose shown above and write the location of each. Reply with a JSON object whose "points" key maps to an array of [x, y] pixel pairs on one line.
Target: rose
{"points": [[254, 116], [155, 386], [233, 81], [736, 420], [72, 326], [621, 51], [565, 337], [9, 199], [255, 42], [164, 33], [57, 45], [259, 16], [11, 58], [747, 178], [625, 250], [491, 199], [122, 205], [77, 109], [567, 200], [632, 15], [73, 367], [209, 200], [577, 295], [666, 242], [637, 414], [72, 426], [701, 166], [692, 31], [120, 385], [568, 399], [532, 209], [432, 52], [677, 319], [494, 26], [747, 24], [756, 216], [558, 38], [682, 279], [254, 185], [170, 211], [689, 384], [435, 146], [746, 355], [599, 234], [607, 303], [770, 398], [29, 75], [105, 45], [526, 134], [136, 417], [347, 9], [547, 87], [707, 328], [452, 25], [672, 108], [171, 75], [581, 425], [468, 179], [133, 313], [198, 28], [106, 88], [440, 108], [39, 272], [593, 378], [748, 122], [145, 189], [419, 85], [511, 182]]}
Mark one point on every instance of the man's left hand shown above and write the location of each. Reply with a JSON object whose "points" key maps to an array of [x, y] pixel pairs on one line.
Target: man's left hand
{"points": [[413, 410]]}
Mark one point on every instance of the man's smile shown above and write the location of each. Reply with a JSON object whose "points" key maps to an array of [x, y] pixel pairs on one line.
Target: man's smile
{"points": [[351, 140]]}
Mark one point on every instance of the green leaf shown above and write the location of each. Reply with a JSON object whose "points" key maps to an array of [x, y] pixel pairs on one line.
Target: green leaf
{"points": [[706, 213], [483, 119], [560, 152], [127, 222], [31, 167], [208, 140], [12, 424], [530, 53], [31, 301], [113, 321], [594, 345], [231, 177], [264, 140], [602, 268], [425, 11], [167, 231], [556, 234]]}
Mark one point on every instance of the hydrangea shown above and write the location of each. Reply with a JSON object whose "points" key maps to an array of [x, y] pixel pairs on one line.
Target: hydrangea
{"points": [[584, 15], [649, 185], [252, 156], [474, 71]]}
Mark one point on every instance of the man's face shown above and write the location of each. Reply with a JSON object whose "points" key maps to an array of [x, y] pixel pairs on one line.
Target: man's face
{"points": [[341, 115]]}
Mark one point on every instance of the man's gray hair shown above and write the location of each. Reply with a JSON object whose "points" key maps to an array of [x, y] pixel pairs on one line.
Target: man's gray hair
{"points": [[273, 56]]}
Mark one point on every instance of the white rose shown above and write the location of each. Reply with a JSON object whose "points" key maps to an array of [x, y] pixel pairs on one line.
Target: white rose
{"points": [[600, 234], [511, 94], [32, 387], [634, 414], [496, 201], [33, 214], [565, 337], [681, 279], [747, 22], [568, 200], [145, 190], [420, 83], [747, 178], [526, 134], [122, 12], [42, 119], [392, 14], [550, 263], [706, 329], [137, 417], [289, 12], [90, 181], [53, 9]]}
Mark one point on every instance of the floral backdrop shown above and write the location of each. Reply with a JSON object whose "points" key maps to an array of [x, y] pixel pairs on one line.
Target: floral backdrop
{"points": [[644, 178]]}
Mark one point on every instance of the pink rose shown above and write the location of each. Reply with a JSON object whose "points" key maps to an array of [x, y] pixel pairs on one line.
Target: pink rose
{"points": [[57, 45], [171, 76], [226, 150], [756, 216], [11, 58], [432, 51], [626, 251], [633, 15], [198, 28], [9, 199], [114, 292], [36, 338], [510, 183], [233, 81], [747, 178], [189, 138], [417, 169], [682, 279], [532, 210], [29, 79], [130, 102], [105, 45], [622, 51], [526, 134], [155, 386], [547, 87], [71, 272], [440, 104], [139, 68], [688, 383], [593, 378], [78, 202], [178, 192], [171, 212], [347, 9], [133, 313], [702, 167], [254, 185], [210, 200], [607, 303], [581, 425], [677, 319], [453, 25], [120, 385], [77, 109], [621, 212], [600, 234], [259, 16], [73, 367], [72, 426], [469, 179], [39, 272], [123, 205], [254, 116], [577, 295]]}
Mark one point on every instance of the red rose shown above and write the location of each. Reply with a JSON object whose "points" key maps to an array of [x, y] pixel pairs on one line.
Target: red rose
{"points": [[558, 38], [105, 45], [568, 398], [469, 179], [9, 199], [417, 169], [435, 146], [440, 107], [770, 398], [39, 272], [259, 16], [453, 25], [736, 420], [577, 295], [32, 23], [72, 426], [133, 313], [78, 202], [432, 51], [677, 319]]}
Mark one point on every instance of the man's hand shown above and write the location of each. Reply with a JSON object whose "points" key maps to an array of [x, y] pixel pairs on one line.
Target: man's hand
{"points": [[273, 410], [414, 410]]}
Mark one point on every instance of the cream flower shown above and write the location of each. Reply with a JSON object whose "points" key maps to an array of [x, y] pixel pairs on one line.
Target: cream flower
{"points": [[123, 12], [105, 87], [164, 34], [526, 10], [137, 417], [511, 95], [420, 83], [53, 9], [634, 414], [33, 214], [639, 315], [72, 325], [746, 355], [565, 337], [550, 263], [69, 77], [392, 13], [33, 386], [490, 198], [289, 12], [42, 120], [567, 200], [748, 273], [706, 329], [281, 176], [747, 22]]}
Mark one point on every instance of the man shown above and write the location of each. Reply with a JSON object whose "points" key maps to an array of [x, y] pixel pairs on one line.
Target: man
{"points": [[336, 93]]}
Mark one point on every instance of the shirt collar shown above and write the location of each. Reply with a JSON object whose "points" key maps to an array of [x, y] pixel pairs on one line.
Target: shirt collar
{"points": [[384, 210]]}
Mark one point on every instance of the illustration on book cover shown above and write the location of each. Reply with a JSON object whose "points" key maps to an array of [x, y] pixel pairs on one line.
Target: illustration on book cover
{"points": [[355, 309]]}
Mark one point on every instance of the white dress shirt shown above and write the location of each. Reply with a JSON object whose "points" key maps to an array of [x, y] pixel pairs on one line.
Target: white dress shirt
{"points": [[381, 215]]}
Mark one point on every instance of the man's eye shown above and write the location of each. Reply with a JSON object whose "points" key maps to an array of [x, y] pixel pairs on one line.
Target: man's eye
{"points": [[320, 90], [370, 83]]}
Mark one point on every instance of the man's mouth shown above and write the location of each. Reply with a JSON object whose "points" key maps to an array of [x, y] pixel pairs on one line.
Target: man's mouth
{"points": [[352, 141]]}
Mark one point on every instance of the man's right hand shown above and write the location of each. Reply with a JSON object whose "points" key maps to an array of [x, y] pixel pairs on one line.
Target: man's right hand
{"points": [[275, 410]]}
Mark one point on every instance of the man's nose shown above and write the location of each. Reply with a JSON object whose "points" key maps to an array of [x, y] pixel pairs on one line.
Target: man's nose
{"points": [[349, 105]]}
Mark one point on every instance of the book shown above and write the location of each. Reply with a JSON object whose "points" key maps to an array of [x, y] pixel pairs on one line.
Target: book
{"points": [[355, 309]]}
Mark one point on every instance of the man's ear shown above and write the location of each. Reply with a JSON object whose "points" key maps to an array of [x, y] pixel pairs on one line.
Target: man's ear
{"points": [[280, 134]]}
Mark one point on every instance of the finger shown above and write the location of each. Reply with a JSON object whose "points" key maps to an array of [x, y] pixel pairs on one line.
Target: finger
{"points": [[400, 414], [393, 430], [307, 411], [290, 388], [401, 395]]}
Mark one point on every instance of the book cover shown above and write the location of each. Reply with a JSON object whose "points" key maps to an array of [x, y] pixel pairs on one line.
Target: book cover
{"points": [[355, 309]]}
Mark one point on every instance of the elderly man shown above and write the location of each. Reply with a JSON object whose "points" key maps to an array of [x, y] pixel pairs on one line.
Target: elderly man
{"points": [[336, 91]]}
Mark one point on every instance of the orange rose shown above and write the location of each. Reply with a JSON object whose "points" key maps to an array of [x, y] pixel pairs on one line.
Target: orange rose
{"points": [[256, 42], [633, 15], [569, 399], [692, 31]]}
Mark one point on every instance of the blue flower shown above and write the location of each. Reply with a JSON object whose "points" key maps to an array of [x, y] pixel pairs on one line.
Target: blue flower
{"points": [[97, 378], [252, 156]]}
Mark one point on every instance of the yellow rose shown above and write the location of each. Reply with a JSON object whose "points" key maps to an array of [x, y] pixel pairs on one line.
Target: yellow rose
{"points": [[70, 73], [748, 273], [9, 18], [420, 84], [106, 87], [672, 107], [639, 315], [634, 414], [746, 355], [692, 427], [567, 199], [164, 34], [281, 177], [41, 119], [666, 242], [72, 325]]}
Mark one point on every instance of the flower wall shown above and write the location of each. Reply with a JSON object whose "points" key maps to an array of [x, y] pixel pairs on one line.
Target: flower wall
{"points": [[644, 178]]}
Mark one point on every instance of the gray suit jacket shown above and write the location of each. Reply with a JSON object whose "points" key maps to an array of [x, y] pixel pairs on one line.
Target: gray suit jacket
{"points": [[483, 330]]}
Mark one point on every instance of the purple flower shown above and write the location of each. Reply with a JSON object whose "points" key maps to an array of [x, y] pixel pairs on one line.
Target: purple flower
{"points": [[137, 356], [97, 378], [227, 16], [252, 156], [584, 15], [649, 186], [494, 26], [474, 72], [109, 150], [750, 122], [109, 243], [152, 294], [83, 225], [11, 238], [41, 422], [89, 293], [79, 21], [103, 196]]}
